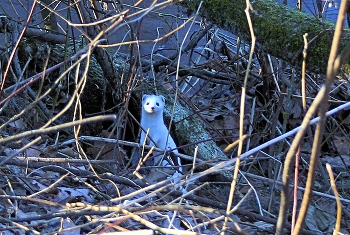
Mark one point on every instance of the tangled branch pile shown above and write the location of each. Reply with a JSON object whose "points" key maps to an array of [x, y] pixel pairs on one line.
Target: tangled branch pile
{"points": [[72, 78]]}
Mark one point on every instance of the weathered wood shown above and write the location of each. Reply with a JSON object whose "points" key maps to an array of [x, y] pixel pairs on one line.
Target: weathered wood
{"points": [[279, 29]]}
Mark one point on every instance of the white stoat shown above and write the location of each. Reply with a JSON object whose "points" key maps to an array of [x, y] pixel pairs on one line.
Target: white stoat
{"points": [[152, 119]]}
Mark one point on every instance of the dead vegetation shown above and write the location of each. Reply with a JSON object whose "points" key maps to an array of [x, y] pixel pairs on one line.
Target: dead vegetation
{"points": [[70, 101]]}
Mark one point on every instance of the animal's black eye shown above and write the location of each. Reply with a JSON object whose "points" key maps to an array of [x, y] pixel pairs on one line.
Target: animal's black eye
{"points": [[157, 104], [147, 103]]}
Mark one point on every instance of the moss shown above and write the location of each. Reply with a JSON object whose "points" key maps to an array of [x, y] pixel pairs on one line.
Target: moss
{"points": [[287, 34], [279, 29]]}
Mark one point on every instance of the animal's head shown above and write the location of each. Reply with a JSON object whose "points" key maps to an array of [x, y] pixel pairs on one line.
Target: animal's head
{"points": [[153, 103]]}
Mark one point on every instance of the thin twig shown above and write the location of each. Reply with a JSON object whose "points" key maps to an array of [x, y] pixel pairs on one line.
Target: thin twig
{"points": [[316, 148], [336, 194], [17, 45], [241, 116], [58, 128], [287, 163]]}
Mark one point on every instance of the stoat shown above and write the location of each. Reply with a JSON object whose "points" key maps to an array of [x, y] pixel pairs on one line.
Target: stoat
{"points": [[152, 119]]}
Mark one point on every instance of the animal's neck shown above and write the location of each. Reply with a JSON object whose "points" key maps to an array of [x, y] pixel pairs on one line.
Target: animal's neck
{"points": [[153, 118]]}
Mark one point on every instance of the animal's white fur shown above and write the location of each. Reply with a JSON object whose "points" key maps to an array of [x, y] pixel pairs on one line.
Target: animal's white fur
{"points": [[152, 119]]}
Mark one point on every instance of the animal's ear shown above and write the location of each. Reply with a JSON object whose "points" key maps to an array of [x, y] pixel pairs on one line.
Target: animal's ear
{"points": [[144, 97], [162, 97]]}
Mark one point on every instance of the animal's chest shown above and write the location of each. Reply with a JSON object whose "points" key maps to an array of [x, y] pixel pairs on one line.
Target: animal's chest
{"points": [[158, 132]]}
